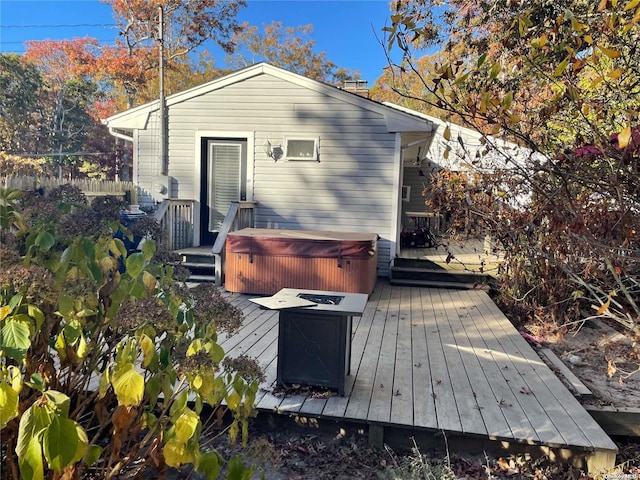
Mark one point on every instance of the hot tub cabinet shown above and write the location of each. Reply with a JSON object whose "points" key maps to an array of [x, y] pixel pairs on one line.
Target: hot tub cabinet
{"points": [[264, 261]]}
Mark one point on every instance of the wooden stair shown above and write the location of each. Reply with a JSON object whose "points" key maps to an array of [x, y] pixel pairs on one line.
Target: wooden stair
{"points": [[425, 273], [200, 262]]}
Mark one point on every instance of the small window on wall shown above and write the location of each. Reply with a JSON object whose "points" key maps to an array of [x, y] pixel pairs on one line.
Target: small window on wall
{"points": [[301, 148]]}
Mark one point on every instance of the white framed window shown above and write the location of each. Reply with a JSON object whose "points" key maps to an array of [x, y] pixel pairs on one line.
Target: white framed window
{"points": [[406, 193], [301, 148]]}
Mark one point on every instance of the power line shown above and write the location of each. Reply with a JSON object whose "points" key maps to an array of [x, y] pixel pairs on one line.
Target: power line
{"points": [[111, 25]]}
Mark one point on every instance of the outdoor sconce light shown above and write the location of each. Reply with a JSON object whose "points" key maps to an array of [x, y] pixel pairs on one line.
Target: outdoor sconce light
{"points": [[273, 151]]}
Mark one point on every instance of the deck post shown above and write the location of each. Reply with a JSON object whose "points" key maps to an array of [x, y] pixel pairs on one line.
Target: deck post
{"points": [[376, 436], [601, 461]]}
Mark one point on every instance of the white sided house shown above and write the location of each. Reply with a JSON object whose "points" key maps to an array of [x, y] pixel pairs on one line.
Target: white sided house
{"points": [[309, 156], [465, 149]]}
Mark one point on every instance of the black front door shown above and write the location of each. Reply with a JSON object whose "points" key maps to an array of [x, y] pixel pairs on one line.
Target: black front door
{"points": [[224, 173]]}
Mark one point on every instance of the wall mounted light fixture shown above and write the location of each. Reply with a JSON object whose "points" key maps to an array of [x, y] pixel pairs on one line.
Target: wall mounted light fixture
{"points": [[273, 151]]}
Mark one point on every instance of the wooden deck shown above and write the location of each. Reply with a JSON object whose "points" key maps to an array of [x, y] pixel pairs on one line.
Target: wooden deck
{"points": [[436, 361], [471, 254]]}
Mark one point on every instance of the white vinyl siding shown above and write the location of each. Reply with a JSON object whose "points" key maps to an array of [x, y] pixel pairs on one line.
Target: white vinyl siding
{"points": [[349, 188]]}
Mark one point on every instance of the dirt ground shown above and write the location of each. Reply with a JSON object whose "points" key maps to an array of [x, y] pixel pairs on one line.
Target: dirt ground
{"points": [[605, 359]]}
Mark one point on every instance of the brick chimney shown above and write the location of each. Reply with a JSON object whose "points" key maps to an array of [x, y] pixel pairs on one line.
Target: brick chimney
{"points": [[359, 87]]}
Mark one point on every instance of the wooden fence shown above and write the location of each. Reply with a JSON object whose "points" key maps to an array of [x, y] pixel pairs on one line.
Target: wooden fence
{"points": [[90, 187]]}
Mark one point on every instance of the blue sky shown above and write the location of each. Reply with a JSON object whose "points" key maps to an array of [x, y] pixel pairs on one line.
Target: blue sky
{"points": [[345, 29]]}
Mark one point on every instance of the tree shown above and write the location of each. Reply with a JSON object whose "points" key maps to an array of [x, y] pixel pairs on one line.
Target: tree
{"points": [[20, 85], [291, 48], [67, 97], [560, 78], [133, 62]]}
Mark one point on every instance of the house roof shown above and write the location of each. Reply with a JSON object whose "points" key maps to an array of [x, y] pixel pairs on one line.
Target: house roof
{"points": [[396, 120], [496, 152]]}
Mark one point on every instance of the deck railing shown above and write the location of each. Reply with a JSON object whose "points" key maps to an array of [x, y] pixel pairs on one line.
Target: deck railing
{"points": [[176, 219], [240, 215]]}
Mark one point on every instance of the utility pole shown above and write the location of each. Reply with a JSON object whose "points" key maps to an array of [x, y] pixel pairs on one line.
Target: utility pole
{"points": [[162, 103]]}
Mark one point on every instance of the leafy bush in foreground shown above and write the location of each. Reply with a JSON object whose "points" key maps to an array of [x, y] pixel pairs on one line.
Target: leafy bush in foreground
{"points": [[105, 360]]}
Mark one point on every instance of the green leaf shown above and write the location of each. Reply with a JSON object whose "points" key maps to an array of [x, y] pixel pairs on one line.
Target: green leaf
{"points": [[495, 71], [561, 67], [128, 385], [482, 58], [60, 443], [45, 240], [30, 462], [209, 465], [83, 444], [180, 403], [8, 404], [32, 423], [37, 314], [15, 340], [238, 470], [61, 402], [135, 264], [148, 250], [93, 454]]}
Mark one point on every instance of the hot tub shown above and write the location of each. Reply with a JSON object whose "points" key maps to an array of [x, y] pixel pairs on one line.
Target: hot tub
{"points": [[264, 261]]}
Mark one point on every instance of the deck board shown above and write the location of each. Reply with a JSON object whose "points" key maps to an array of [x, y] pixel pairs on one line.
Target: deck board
{"points": [[402, 400], [447, 415], [435, 360], [380, 406], [424, 410]]}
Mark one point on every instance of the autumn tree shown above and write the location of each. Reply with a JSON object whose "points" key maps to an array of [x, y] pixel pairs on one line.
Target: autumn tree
{"points": [[291, 48], [66, 101], [133, 63], [561, 79]]}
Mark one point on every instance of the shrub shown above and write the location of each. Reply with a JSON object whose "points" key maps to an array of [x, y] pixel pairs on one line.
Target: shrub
{"points": [[105, 361]]}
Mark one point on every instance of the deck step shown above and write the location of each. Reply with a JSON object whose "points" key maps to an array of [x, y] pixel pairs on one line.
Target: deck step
{"points": [[438, 284], [197, 265], [437, 275], [201, 278]]}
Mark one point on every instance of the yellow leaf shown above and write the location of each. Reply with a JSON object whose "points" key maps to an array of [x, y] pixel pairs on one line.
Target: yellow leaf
{"points": [[149, 281], [128, 385], [83, 348], [175, 453], [609, 52], [605, 306], [631, 4], [596, 81], [233, 400], [588, 39], [447, 133], [624, 137], [4, 311], [617, 73], [186, 425], [148, 350], [542, 41], [8, 404], [103, 383]]}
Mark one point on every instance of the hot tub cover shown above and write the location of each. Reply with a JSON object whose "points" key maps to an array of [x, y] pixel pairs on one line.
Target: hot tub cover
{"points": [[302, 243]]}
